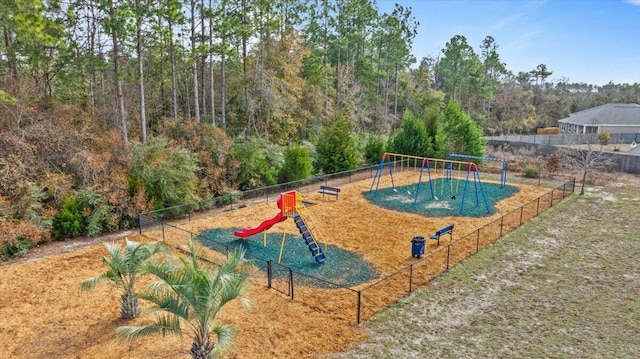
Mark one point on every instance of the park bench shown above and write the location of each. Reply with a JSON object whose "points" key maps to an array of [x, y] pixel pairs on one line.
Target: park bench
{"points": [[333, 191], [442, 231]]}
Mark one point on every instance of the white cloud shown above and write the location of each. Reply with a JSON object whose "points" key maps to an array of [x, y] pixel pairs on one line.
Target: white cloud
{"points": [[506, 21], [633, 2]]}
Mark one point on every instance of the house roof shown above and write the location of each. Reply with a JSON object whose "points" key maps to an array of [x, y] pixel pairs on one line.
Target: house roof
{"points": [[621, 114]]}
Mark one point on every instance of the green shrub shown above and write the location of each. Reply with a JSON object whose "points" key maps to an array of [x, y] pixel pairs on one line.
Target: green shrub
{"points": [[167, 173], [297, 164], [253, 164], [336, 148], [68, 221], [229, 197], [19, 247], [604, 138], [531, 171], [81, 214], [374, 149], [411, 138]]}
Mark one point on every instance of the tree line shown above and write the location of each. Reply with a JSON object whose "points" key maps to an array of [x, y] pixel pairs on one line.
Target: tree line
{"points": [[111, 107]]}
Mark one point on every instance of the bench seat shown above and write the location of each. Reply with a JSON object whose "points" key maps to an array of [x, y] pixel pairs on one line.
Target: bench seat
{"points": [[333, 191]]}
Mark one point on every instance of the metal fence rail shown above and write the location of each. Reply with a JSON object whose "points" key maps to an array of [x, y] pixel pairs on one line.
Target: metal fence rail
{"points": [[333, 298]]}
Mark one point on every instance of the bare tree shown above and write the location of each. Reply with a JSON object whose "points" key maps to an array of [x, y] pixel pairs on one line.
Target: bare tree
{"points": [[586, 157]]}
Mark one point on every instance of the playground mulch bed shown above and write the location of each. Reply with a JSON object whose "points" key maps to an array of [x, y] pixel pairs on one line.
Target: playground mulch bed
{"points": [[42, 314]]}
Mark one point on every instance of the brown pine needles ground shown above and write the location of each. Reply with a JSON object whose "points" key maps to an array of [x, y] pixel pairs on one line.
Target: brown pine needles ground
{"points": [[42, 313]]}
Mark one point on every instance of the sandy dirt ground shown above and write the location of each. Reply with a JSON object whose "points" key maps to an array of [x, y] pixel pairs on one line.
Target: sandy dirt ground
{"points": [[42, 313]]}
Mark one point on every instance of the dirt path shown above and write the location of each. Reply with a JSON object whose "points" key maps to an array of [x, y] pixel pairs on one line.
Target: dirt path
{"points": [[53, 248]]}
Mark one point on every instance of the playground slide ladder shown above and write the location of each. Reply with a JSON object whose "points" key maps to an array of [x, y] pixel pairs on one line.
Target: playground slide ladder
{"points": [[310, 234]]}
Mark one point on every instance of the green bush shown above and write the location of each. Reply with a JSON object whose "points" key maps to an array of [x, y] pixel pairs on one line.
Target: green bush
{"points": [[336, 148], [374, 149], [81, 214], [253, 164], [531, 171], [411, 138], [297, 164], [229, 197], [68, 221], [19, 247], [460, 133], [604, 138], [167, 173]]}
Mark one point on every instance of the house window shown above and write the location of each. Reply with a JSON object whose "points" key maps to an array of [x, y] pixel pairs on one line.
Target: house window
{"points": [[563, 127]]}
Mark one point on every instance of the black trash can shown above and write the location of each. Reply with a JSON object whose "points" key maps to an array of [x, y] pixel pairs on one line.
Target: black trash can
{"points": [[417, 246]]}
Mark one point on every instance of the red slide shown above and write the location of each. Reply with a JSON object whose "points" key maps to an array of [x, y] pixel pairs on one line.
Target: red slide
{"points": [[246, 232]]}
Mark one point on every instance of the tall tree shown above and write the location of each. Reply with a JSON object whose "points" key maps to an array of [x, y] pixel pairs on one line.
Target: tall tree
{"points": [[115, 25], [142, 10], [492, 69], [173, 15], [194, 60], [459, 68]]}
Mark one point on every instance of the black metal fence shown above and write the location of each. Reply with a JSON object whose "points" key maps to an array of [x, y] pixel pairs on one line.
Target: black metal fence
{"points": [[335, 299]]}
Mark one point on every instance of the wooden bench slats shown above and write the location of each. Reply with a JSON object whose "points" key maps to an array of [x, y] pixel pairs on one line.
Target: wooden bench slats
{"points": [[334, 191]]}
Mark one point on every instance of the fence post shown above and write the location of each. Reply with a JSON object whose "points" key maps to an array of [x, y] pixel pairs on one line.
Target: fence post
{"points": [[410, 277], [501, 224], [538, 207], [162, 230], [448, 251], [359, 305], [521, 212], [551, 204], [478, 241], [563, 187], [291, 282], [269, 274], [140, 222]]}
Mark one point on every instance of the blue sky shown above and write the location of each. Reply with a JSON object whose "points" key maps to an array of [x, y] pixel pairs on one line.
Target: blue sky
{"points": [[590, 41]]}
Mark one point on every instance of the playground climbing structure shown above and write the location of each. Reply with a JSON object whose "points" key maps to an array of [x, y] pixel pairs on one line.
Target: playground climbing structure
{"points": [[291, 206]]}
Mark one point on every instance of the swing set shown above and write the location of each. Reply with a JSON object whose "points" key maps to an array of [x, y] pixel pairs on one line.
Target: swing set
{"points": [[503, 171], [395, 162]]}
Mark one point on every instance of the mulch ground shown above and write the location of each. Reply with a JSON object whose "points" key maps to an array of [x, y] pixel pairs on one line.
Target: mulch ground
{"points": [[42, 313]]}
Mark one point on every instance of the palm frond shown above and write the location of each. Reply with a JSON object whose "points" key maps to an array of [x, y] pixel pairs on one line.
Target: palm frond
{"points": [[224, 335], [165, 324], [92, 282]]}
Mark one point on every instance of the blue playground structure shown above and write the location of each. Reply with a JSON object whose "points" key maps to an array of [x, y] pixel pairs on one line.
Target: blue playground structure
{"points": [[393, 160], [503, 173]]}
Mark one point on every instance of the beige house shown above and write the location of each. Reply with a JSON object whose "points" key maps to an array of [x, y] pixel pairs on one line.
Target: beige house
{"points": [[610, 118]]}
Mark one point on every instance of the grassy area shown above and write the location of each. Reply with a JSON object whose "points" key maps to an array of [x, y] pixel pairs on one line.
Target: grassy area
{"points": [[565, 285]]}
